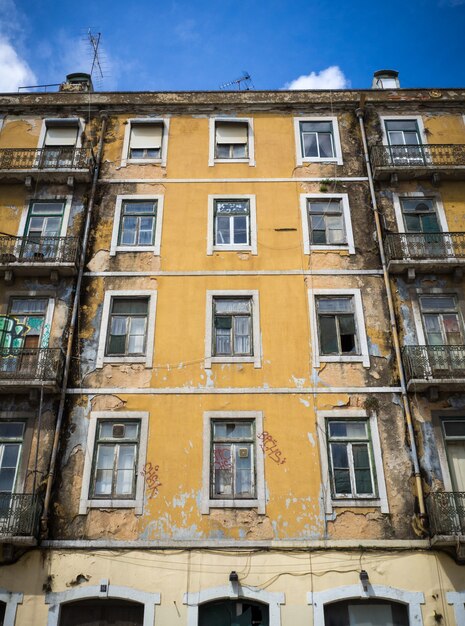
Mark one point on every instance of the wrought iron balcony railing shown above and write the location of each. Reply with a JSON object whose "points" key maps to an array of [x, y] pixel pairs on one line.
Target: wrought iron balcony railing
{"points": [[32, 250], [443, 363], [19, 515], [27, 159], [424, 246], [419, 155], [30, 364], [446, 512]]}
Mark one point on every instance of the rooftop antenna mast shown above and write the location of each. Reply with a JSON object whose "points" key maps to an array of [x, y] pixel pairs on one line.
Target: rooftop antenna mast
{"points": [[243, 83], [94, 42]]}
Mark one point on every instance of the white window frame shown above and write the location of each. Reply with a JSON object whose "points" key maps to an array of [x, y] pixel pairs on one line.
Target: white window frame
{"points": [[48, 317], [80, 123], [104, 590], [193, 599], [396, 199], [66, 200], [317, 358], [457, 599], [437, 418], [398, 118], [211, 246], [11, 599], [125, 160], [212, 140], [155, 248], [413, 600], [147, 359], [256, 357], [137, 503], [207, 502], [331, 502], [300, 159], [344, 199]]}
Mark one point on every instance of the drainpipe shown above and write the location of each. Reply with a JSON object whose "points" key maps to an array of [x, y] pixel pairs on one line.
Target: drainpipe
{"points": [[72, 327], [392, 319]]}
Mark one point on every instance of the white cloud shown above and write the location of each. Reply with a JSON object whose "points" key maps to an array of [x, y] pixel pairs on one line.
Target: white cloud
{"points": [[15, 70], [330, 78]]}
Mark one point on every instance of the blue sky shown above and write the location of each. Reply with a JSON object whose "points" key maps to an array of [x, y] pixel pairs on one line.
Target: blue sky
{"points": [[200, 44]]}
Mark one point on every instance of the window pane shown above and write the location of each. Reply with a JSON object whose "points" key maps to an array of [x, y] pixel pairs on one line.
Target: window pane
{"points": [[222, 230], [437, 303], [349, 429], [318, 237], [139, 208], [243, 470], [10, 454], [136, 344], [310, 145], [406, 125], [239, 151], [223, 342], [116, 344], [242, 335], [318, 222], [104, 470], [232, 207], [326, 145], [240, 230], [328, 335], [130, 307], [346, 324], [339, 455], [412, 223], [10, 430], [333, 305], [224, 322], [128, 231], [324, 206], [342, 482], [47, 208], [118, 325], [320, 127], [125, 471], [233, 430], [7, 479], [232, 306], [222, 151], [454, 428], [28, 305]]}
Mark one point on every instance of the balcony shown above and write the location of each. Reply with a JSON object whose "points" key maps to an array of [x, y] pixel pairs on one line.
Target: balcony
{"points": [[22, 369], [446, 511], [424, 252], [19, 518], [435, 161], [39, 256], [47, 164], [440, 367]]}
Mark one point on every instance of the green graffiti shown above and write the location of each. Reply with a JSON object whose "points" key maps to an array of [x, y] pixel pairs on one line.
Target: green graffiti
{"points": [[12, 333]]}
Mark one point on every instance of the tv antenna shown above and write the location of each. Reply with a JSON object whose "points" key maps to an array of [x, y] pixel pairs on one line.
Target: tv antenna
{"points": [[94, 43], [243, 83]]}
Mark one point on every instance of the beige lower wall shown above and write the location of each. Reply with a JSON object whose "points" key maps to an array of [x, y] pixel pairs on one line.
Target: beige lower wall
{"points": [[172, 573]]}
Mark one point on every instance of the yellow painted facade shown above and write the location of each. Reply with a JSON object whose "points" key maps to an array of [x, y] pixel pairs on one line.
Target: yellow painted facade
{"points": [[297, 547]]}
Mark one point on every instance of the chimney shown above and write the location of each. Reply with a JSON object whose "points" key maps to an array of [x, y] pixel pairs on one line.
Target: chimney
{"points": [[79, 81], [385, 79]]}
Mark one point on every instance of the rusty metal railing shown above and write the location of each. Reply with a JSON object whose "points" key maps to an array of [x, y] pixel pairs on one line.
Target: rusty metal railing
{"points": [[67, 158], [418, 155], [31, 250], [434, 362], [19, 514], [30, 364], [446, 511], [423, 246]]}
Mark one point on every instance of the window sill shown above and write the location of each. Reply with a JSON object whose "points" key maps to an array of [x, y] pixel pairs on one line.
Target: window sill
{"points": [[233, 248], [125, 162], [234, 504], [232, 359], [335, 160], [153, 249], [367, 503], [233, 161], [330, 248], [110, 504], [124, 359], [359, 358]]}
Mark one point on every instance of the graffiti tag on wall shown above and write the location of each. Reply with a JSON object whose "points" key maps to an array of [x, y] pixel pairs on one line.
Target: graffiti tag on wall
{"points": [[270, 447], [12, 333], [150, 473]]}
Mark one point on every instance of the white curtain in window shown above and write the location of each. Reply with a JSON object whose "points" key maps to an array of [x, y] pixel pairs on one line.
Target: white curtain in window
{"points": [[146, 135], [231, 133], [370, 615], [61, 135], [456, 452]]}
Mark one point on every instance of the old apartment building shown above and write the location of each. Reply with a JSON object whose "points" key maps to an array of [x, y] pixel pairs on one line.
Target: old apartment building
{"points": [[232, 357]]}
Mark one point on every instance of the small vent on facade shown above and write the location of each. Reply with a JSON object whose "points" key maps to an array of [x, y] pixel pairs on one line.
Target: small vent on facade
{"points": [[243, 453], [118, 431]]}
